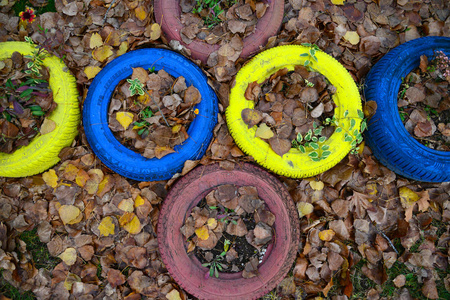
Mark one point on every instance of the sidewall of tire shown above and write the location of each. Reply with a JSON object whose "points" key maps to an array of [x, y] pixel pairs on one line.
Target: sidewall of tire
{"points": [[168, 14], [187, 270], [294, 163], [386, 136], [42, 152], [125, 161]]}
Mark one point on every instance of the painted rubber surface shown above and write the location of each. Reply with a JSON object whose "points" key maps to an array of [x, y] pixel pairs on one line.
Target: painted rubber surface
{"points": [[386, 136], [168, 14], [125, 161], [42, 152], [294, 163], [187, 270]]}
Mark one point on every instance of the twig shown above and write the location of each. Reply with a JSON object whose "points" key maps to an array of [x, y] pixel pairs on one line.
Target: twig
{"points": [[386, 237], [154, 102], [106, 14]]}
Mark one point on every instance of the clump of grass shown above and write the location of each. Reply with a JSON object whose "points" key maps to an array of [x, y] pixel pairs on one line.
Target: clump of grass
{"points": [[10, 291], [39, 250]]}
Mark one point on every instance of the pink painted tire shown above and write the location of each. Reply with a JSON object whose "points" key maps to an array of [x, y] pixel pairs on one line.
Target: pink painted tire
{"points": [[168, 14], [187, 270]]}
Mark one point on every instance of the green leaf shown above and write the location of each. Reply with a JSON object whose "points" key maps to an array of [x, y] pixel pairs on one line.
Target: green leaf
{"points": [[213, 207], [205, 264], [216, 273], [302, 149], [35, 108], [304, 54], [363, 125], [353, 144], [325, 154], [339, 129], [315, 146], [211, 272], [316, 159], [299, 137], [325, 147], [141, 131], [308, 135], [318, 131], [313, 154], [348, 139], [314, 125], [306, 44], [314, 139], [234, 222], [352, 124], [360, 114], [219, 267], [38, 113], [322, 139], [346, 113], [306, 63]]}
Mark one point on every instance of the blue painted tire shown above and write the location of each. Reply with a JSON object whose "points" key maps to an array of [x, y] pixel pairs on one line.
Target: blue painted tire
{"points": [[119, 158], [386, 136]]}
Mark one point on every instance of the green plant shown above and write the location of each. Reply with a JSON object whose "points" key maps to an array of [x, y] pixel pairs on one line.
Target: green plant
{"points": [[226, 215], [142, 124], [214, 10], [215, 266], [313, 139], [39, 251], [402, 113], [311, 55], [10, 291]]}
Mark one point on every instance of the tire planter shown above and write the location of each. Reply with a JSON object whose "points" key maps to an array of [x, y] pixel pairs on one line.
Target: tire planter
{"points": [[386, 136], [187, 270], [42, 152], [125, 161], [294, 163], [168, 14]]}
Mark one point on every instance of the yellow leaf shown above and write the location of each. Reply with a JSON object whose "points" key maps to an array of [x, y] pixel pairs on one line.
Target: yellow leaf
{"points": [[161, 151], [104, 184], [82, 177], [138, 201], [47, 126], [96, 41], [130, 223], [70, 214], [202, 232], [338, 2], [326, 235], [264, 131], [70, 280], [70, 172], [123, 48], [173, 295], [126, 205], [304, 208], [140, 12], [124, 118], [144, 99], [191, 246], [176, 128], [102, 53], [69, 256], [407, 197], [91, 186], [106, 226], [50, 178], [91, 71], [211, 223], [155, 31], [352, 37], [316, 185]]}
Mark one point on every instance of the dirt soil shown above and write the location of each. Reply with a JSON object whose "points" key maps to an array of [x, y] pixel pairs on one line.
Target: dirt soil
{"points": [[367, 233]]}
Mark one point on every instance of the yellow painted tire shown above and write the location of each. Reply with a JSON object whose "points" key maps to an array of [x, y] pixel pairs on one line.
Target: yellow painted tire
{"points": [[42, 152], [294, 163]]}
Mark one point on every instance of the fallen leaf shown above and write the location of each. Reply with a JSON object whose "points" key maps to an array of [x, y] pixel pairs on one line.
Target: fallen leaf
{"points": [[115, 278], [141, 74], [70, 214], [95, 41], [91, 71], [102, 53], [202, 233], [47, 126], [82, 177], [251, 117], [126, 205], [50, 178], [161, 151], [69, 256], [352, 37], [263, 131], [140, 12], [316, 185], [280, 146], [338, 2], [155, 31], [124, 118], [211, 223], [131, 223], [326, 235], [106, 226], [304, 208], [123, 48], [173, 295]]}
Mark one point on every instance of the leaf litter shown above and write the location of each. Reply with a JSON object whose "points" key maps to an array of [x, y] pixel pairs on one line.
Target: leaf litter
{"points": [[367, 247]]}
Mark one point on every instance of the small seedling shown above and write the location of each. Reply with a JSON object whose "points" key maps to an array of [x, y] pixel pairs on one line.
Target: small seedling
{"points": [[311, 55], [215, 266], [214, 9], [313, 139], [142, 124]]}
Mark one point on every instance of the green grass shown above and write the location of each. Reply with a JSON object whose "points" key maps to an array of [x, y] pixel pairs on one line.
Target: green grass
{"points": [[39, 250], [12, 292], [20, 5]]}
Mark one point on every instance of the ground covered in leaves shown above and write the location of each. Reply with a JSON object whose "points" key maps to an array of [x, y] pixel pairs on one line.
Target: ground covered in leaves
{"points": [[81, 231]]}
